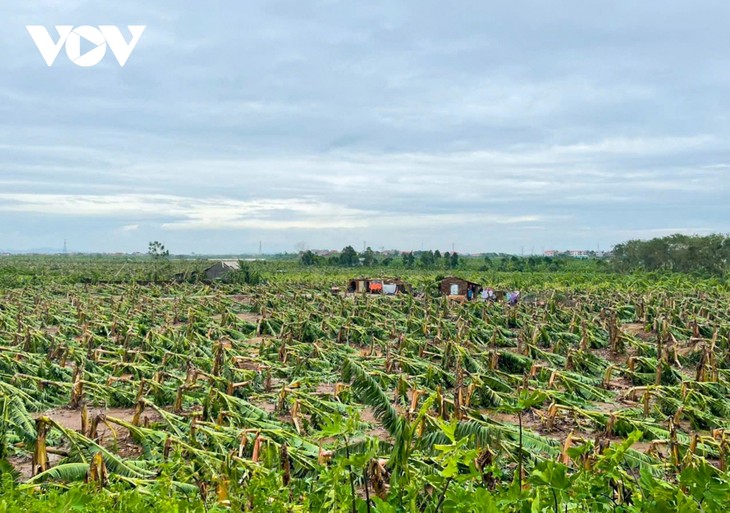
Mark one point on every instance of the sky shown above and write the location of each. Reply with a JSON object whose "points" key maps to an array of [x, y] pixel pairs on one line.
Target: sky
{"points": [[483, 126]]}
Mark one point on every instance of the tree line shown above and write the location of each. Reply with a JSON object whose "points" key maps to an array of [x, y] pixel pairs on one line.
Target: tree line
{"points": [[434, 259], [705, 255], [349, 257]]}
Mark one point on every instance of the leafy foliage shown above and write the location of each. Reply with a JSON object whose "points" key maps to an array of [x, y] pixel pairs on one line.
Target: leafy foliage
{"points": [[597, 393]]}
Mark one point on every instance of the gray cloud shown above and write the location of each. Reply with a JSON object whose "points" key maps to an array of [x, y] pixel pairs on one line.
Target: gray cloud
{"points": [[487, 125]]}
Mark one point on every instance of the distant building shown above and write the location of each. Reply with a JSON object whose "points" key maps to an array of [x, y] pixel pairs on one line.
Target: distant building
{"points": [[575, 253], [221, 269], [325, 252], [579, 253]]}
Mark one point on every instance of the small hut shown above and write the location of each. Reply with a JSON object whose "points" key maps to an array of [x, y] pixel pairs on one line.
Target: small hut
{"points": [[358, 285], [220, 270], [453, 286]]}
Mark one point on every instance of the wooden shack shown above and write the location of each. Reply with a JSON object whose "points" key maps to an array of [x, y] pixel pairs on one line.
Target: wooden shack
{"points": [[358, 285], [453, 286]]}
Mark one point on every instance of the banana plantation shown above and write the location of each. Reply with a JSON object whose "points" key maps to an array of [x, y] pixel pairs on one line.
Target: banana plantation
{"points": [[596, 392]]}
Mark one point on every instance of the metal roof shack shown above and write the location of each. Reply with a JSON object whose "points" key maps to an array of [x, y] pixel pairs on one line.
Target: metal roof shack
{"points": [[221, 269]]}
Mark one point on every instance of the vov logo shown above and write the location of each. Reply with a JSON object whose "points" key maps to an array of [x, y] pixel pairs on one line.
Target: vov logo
{"points": [[100, 38]]}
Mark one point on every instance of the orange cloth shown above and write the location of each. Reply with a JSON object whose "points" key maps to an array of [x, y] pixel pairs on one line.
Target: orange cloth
{"points": [[374, 287]]}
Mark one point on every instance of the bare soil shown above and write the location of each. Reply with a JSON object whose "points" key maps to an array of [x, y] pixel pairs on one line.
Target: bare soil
{"points": [[119, 439]]}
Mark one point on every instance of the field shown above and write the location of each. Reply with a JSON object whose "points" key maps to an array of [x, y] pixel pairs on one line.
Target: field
{"points": [[598, 392]]}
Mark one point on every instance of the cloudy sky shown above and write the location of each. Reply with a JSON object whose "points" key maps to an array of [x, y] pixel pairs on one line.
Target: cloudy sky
{"points": [[493, 126]]}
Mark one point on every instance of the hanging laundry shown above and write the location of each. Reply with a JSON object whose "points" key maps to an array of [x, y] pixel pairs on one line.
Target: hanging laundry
{"points": [[488, 294], [390, 288]]}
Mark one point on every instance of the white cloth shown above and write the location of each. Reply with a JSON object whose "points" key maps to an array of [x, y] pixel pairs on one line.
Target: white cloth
{"points": [[390, 288]]}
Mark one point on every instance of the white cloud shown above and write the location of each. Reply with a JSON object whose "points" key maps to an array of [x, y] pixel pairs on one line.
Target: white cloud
{"points": [[187, 213]]}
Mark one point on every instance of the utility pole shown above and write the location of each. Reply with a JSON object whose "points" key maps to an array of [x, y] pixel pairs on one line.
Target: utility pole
{"points": [[65, 247], [260, 247]]}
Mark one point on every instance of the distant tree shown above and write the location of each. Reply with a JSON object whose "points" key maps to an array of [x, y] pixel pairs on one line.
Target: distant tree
{"points": [[454, 260], [349, 257], [409, 259], [157, 250], [516, 263], [368, 257], [161, 259], [487, 262], [308, 258], [427, 259], [437, 255]]}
